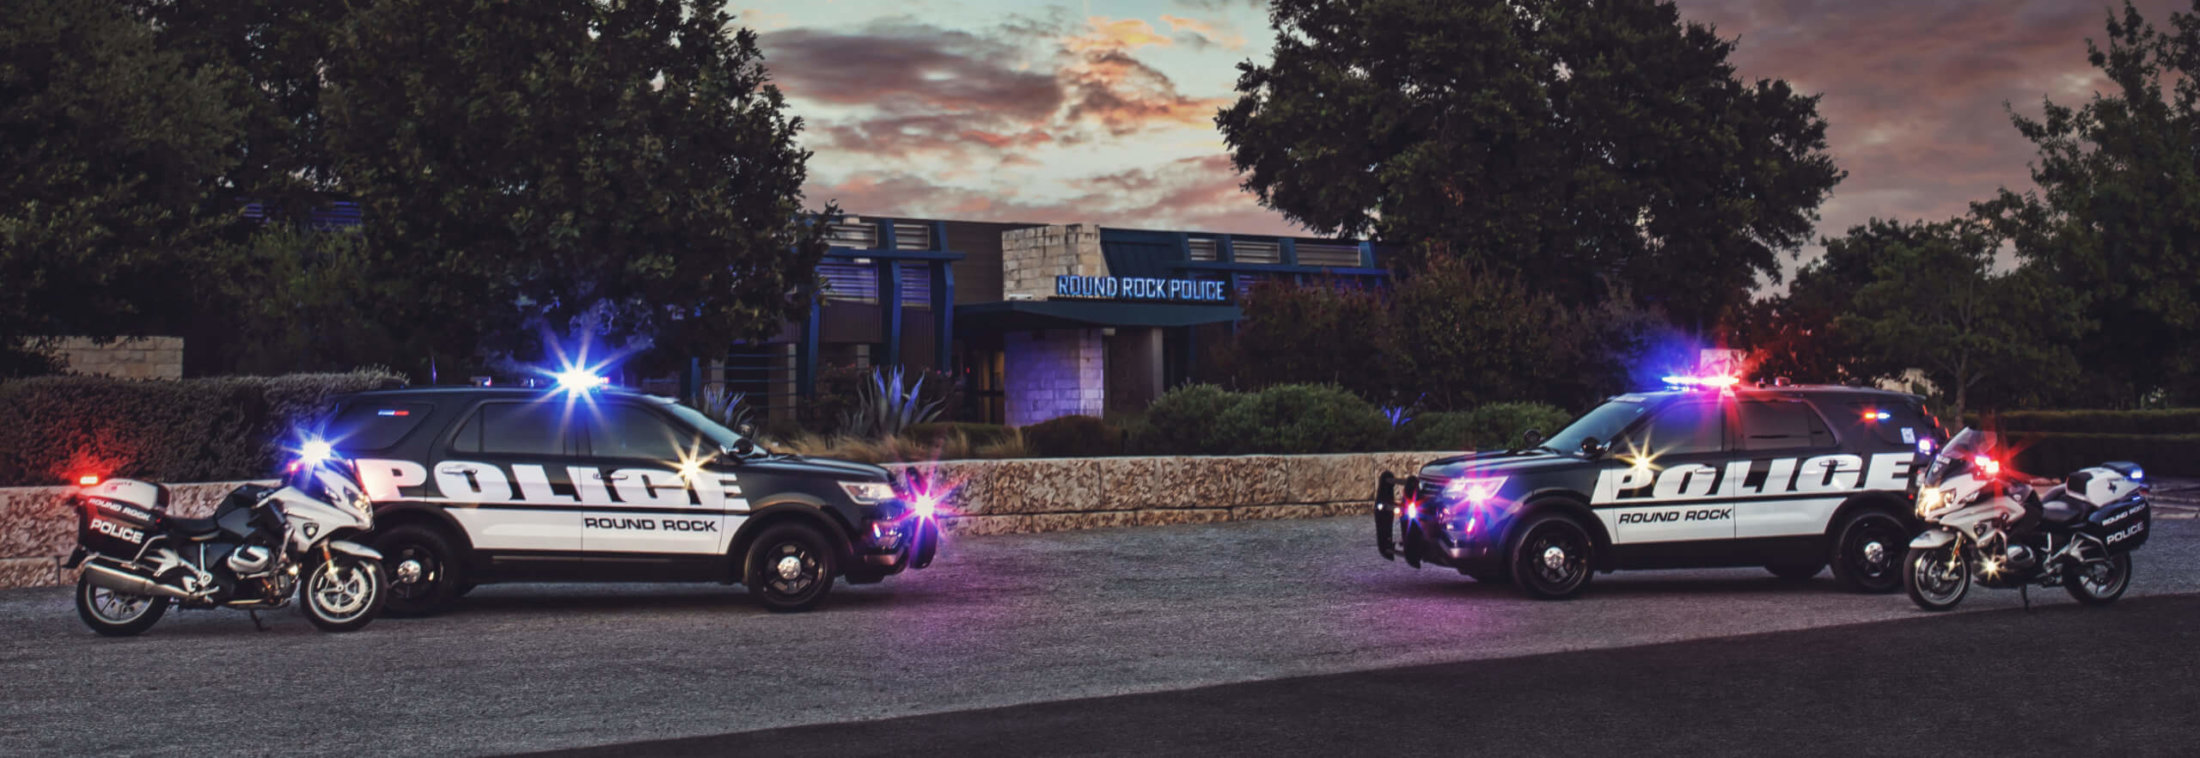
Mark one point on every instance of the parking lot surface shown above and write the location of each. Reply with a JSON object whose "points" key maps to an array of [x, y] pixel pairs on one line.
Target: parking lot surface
{"points": [[999, 621]]}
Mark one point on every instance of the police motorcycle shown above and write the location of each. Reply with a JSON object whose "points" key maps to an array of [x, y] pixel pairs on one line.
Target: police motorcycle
{"points": [[1984, 526], [262, 547]]}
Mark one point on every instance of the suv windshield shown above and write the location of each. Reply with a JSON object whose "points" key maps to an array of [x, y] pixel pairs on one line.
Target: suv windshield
{"points": [[726, 439], [1604, 423]]}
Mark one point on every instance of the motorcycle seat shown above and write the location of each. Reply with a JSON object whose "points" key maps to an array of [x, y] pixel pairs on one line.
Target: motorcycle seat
{"points": [[194, 529], [2060, 509]]}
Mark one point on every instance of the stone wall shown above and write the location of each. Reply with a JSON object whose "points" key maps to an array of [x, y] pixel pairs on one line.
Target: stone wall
{"points": [[1031, 258], [136, 358], [38, 529], [1059, 372]]}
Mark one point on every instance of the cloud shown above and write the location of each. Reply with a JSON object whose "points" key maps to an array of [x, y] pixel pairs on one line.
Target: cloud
{"points": [[1190, 193], [1107, 34], [917, 88], [1104, 83], [1203, 33]]}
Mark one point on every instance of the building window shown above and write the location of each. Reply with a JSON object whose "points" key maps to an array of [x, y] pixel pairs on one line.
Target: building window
{"points": [[1329, 256], [912, 236], [916, 282], [1246, 251], [849, 282], [857, 235], [1203, 250]]}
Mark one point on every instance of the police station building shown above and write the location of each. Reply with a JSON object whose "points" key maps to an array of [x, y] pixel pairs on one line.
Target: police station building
{"points": [[1038, 320]]}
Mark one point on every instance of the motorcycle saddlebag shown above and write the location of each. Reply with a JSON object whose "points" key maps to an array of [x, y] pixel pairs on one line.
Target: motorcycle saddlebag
{"points": [[2123, 525], [116, 517]]}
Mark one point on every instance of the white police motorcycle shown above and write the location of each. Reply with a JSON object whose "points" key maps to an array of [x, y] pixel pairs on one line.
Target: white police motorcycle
{"points": [[1985, 527], [261, 547]]}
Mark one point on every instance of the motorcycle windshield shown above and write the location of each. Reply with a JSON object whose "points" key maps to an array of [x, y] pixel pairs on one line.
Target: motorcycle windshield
{"points": [[1956, 456]]}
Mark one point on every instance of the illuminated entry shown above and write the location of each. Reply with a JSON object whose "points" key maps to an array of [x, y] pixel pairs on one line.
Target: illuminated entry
{"points": [[1141, 288]]}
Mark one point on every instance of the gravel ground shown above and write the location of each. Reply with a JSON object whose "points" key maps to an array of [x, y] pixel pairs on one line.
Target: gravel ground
{"points": [[998, 621]]}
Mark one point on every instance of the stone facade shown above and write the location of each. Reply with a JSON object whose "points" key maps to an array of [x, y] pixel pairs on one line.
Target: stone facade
{"points": [[38, 529], [1055, 373], [1031, 258], [135, 358]]}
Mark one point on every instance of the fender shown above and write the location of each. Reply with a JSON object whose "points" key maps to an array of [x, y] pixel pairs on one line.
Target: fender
{"points": [[1932, 539], [354, 549], [1572, 504]]}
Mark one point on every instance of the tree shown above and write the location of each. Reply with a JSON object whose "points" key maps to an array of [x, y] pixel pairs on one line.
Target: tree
{"points": [[111, 153], [1935, 303], [2117, 212], [1319, 333], [621, 170], [1573, 144], [1798, 334]]}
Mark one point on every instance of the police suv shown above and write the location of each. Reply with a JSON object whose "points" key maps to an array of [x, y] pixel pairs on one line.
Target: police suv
{"points": [[1791, 478], [476, 485]]}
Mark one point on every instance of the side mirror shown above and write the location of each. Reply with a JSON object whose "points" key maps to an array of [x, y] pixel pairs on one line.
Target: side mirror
{"points": [[741, 449], [1592, 447], [1531, 438]]}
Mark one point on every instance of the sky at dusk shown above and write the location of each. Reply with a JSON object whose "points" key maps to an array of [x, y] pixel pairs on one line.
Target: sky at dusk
{"points": [[1103, 111]]}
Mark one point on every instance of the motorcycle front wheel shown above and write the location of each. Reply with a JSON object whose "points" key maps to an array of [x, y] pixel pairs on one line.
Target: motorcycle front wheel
{"points": [[1936, 578], [114, 614], [2099, 583], [343, 595]]}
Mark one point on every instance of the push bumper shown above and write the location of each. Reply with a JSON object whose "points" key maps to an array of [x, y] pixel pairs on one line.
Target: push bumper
{"points": [[888, 546], [1409, 526]]}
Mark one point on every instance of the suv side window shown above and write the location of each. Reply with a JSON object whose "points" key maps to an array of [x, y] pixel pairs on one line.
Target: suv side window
{"points": [[525, 429], [1683, 428], [617, 430], [1782, 425]]}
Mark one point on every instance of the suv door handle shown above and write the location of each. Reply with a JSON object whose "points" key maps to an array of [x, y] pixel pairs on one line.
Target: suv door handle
{"points": [[615, 478]]}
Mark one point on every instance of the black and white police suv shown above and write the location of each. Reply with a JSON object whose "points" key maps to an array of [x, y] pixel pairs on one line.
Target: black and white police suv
{"points": [[478, 485], [1709, 474]]}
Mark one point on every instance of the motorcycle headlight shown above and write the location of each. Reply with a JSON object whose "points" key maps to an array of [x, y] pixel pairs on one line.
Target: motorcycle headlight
{"points": [[868, 493], [1929, 500]]}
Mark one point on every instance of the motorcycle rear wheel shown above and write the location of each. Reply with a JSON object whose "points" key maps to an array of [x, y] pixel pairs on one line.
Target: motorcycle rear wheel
{"points": [[2101, 583], [113, 614], [1932, 585]]}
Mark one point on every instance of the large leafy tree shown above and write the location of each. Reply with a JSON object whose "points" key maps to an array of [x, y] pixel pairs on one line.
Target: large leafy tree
{"points": [[2117, 212], [112, 153], [1575, 144], [1934, 301], [1798, 334], [617, 169]]}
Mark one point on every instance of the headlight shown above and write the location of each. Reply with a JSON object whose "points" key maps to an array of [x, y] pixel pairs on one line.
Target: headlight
{"points": [[868, 493], [1473, 490], [1929, 500]]}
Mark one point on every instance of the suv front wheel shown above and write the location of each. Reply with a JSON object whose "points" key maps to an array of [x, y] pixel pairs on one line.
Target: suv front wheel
{"points": [[1553, 558], [790, 568], [421, 568]]}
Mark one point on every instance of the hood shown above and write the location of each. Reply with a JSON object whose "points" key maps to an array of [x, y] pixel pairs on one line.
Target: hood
{"points": [[819, 467], [1495, 462]]}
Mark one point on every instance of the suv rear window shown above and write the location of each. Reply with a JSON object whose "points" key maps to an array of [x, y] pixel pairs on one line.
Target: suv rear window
{"points": [[1782, 425], [367, 427]]}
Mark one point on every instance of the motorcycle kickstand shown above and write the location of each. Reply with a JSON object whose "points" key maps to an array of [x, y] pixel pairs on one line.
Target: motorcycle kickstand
{"points": [[256, 620]]}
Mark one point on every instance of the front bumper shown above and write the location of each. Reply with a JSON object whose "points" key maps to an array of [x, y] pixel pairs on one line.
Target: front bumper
{"points": [[899, 540], [1410, 524]]}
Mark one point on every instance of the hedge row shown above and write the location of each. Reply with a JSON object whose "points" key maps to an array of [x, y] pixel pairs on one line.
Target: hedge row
{"points": [[189, 430], [2173, 421], [2056, 455], [1309, 418]]}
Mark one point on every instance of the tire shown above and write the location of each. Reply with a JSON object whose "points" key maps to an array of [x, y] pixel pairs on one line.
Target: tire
{"points": [[2101, 584], [345, 599], [436, 577], [1796, 572], [1867, 552], [1931, 584], [790, 568], [1553, 558], [113, 614]]}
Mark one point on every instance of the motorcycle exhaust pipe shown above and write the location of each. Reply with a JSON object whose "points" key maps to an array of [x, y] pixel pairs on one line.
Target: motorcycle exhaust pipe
{"points": [[128, 583]]}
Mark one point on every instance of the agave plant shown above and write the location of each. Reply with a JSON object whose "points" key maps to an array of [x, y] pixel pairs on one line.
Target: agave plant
{"points": [[888, 405], [728, 408]]}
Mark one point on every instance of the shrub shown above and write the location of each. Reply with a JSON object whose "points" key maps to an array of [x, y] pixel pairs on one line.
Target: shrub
{"points": [[841, 389], [2172, 421], [1303, 418], [1441, 430], [1183, 421], [978, 435], [2056, 455], [1073, 437], [187, 430], [1501, 424], [888, 405]]}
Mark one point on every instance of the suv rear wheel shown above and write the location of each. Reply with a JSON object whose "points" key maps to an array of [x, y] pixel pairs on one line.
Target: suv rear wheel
{"points": [[422, 568], [790, 568]]}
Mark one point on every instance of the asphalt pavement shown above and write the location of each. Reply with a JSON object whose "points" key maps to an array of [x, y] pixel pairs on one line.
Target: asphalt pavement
{"points": [[998, 622]]}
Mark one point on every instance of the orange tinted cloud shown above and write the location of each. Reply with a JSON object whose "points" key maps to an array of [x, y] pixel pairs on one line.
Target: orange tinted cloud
{"points": [[1121, 34], [1203, 31]]}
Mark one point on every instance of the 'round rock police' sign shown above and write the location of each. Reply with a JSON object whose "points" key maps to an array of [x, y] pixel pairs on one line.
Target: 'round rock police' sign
{"points": [[1141, 288]]}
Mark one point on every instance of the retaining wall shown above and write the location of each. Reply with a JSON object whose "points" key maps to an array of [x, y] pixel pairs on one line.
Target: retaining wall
{"points": [[38, 529]]}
